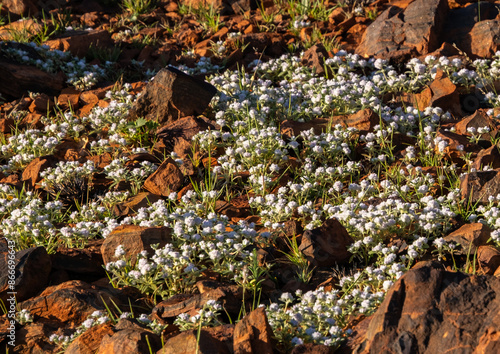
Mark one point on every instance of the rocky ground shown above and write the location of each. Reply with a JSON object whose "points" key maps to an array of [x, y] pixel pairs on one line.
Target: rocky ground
{"points": [[249, 176]]}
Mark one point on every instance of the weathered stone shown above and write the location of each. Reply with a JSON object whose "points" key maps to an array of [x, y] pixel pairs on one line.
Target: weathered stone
{"points": [[253, 334], [315, 58], [134, 239], [460, 22], [27, 26], [478, 186], [21, 7], [32, 267], [485, 38], [31, 173], [470, 237], [228, 295], [488, 258], [133, 341], [86, 261], [78, 42], [69, 98], [327, 244], [487, 157], [166, 179], [171, 96], [187, 342], [69, 303], [477, 120], [310, 348], [430, 310], [18, 79], [89, 341], [397, 33]]}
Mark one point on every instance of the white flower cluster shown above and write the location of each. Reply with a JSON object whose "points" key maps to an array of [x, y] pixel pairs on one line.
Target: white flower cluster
{"points": [[79, 73]]}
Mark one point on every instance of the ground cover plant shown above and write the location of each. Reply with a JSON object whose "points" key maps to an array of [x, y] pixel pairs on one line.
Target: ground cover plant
{"points": [[305, 189]]}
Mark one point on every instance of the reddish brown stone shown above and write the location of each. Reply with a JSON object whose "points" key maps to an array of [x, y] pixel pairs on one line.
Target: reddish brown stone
{"points": [[68, 98], [479, 119], [165, 180], [79, 42], [470, 236], [187, 342], [171, 96], [488, 258], [69, 303], [327, 244], [479, 186], [31, 174], [134, 239], [32, 268], [398, 33], [89, 341], [253, 334], [426, 311]]}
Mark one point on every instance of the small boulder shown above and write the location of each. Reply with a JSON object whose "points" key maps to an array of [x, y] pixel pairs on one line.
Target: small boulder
{"points": [[166, 179], [134, 239], [172, 95], [327, 244], [253, 334]]}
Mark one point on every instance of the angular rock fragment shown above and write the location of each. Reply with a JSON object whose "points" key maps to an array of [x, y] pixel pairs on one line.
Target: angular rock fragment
{"points": [[430, 310], [479, 186], [397, 33], [166, 179], [187, 342], [78, 42], [133, 340], [172, 95], [69, 303], [253, 334], [327, 244], [89, 341], [32, 268], [134, 239], [470, 237]]}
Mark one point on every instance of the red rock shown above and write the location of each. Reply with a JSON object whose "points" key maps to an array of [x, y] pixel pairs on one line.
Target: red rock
{"points": [[68, 98], [398, 33], [477, 120], [21, 7], [31, 174], [253, 334], [488, 258], [327, 244], [69, 303], [187, 342], [79, 42], [171, 96], [134, 239], [229, 296], [487, 157], [310, 348], [89, 341], [130, 340], [476, 187], [315, 58], [133, 204], [32, 268], [470, 236], [18, 79], [84, 261], [165, 180], [26, 26], [484, 38], [430, 310]]}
